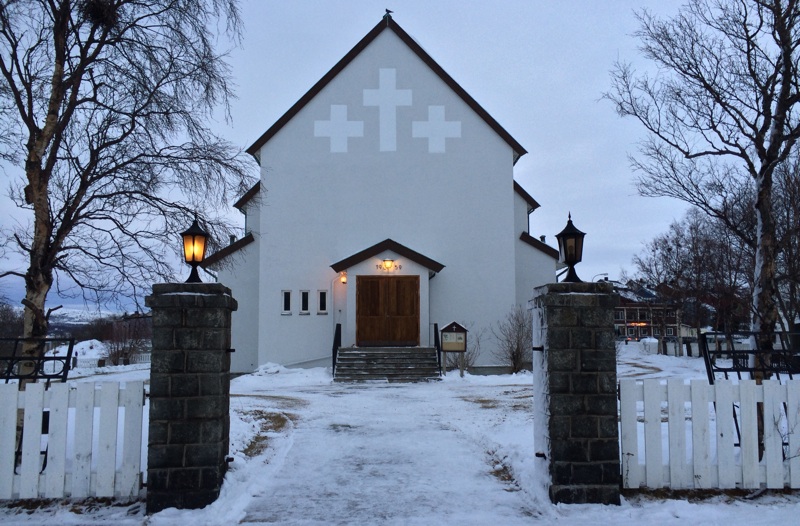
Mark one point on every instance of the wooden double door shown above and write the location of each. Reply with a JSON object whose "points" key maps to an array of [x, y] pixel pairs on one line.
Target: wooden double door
{"points": [[387, 311]]}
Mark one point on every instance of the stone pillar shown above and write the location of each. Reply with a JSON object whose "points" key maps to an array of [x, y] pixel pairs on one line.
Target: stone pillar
{"points": [[575, 392], [189, 394]]}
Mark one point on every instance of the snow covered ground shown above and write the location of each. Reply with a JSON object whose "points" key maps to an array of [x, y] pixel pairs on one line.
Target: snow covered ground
{"points": [[310, 452]]}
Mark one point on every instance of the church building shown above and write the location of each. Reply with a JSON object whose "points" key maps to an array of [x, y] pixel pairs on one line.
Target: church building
{"points": [[386, 204]]}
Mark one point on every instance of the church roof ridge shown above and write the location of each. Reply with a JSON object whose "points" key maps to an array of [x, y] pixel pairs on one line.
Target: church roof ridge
{"points": [[387, 22]]}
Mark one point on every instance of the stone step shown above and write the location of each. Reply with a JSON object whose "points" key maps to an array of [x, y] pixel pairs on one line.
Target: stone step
{"points": [[388, 364]]}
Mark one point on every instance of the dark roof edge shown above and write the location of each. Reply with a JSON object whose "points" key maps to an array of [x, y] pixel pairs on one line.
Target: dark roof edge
{"points": [[247, 196], [394, 246], [385, 22], [316, 88], [219, 255], [532, 204], [455, 86], [538, 245]]}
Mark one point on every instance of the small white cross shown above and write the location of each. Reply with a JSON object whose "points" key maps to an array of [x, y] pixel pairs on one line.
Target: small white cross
{"points": [[387, 98], [339, 129], [436, 129]]}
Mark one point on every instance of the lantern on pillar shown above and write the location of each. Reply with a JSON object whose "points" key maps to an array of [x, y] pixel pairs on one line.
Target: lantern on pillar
{"points": [[194, 249], [570, 249]]}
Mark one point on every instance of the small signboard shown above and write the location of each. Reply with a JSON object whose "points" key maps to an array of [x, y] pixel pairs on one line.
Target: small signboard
{"points": [[454, 338]]}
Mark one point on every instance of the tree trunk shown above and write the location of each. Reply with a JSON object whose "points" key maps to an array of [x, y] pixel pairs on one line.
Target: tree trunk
{"points": [[765, 309]]}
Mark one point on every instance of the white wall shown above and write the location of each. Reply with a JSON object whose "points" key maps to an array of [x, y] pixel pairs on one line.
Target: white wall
{"points": [[321, 206], [239, 276]]}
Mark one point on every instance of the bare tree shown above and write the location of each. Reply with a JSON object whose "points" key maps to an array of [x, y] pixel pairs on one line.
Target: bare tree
{"points": [[104, 107], [697, 262], [722, 115], [514, 337]]}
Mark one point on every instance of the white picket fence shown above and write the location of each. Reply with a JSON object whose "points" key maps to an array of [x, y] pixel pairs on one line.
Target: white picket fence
{"points": [[683, 436], [94, 444]]}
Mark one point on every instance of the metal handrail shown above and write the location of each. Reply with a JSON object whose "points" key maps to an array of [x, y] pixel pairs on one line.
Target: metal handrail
{"points": [[337, 342], [18, 366], [746, 362], [438, 345]]}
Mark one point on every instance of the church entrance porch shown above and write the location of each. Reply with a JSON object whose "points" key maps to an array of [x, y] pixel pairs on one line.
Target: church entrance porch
{"points": [[387, 311]]}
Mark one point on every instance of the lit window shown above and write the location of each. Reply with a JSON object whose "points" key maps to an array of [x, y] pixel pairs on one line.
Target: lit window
{"points": [[303, 302], [287, 301], [322, 306]]}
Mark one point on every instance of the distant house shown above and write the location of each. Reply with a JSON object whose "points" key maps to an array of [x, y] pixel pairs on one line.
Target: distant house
{"points": [[642, 313], [387, 203]]}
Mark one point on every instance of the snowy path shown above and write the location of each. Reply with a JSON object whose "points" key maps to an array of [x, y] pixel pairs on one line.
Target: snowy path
{"points": [[381, 454]]}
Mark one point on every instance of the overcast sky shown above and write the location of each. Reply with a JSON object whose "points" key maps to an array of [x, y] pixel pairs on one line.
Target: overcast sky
{"points": [[539, 67]]}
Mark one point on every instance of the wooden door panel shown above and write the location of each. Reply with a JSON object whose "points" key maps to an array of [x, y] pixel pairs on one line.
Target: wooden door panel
{"points": [[387, 311], [370, 316]]}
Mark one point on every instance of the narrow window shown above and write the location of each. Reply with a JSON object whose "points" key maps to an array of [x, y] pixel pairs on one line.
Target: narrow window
{"points": [[303, 302], [287, 301], [322, 306]]}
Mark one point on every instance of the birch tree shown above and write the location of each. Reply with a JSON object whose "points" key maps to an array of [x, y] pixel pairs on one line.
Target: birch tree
{"points": [[722, 115], [104, 112]]}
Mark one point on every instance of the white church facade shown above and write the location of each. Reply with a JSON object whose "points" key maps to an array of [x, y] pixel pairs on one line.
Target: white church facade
{"points": [[387, 204]]}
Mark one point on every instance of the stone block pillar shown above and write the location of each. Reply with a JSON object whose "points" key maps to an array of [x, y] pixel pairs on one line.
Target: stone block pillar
{"points": [[189, 394], [575, 392]]}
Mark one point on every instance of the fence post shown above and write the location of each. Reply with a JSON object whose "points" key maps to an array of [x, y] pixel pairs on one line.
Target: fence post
{"points": [[575, 385], [189, 394]]}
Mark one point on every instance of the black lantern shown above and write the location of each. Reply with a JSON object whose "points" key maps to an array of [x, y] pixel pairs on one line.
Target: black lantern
{"points": [[570, 249], [194, 249]]}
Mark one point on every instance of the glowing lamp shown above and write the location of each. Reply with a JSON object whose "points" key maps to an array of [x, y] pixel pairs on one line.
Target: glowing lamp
{"points": [[194, 249]]}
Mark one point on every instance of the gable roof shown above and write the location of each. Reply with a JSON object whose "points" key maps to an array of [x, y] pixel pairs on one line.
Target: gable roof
{"points": [[532, 204], [387, 244], [247, 196], [227, 251], [387, 23], [539, 245]]}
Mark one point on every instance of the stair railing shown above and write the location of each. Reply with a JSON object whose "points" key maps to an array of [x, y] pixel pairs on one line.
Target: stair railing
{"points": [[438, 345], [337, 342]]}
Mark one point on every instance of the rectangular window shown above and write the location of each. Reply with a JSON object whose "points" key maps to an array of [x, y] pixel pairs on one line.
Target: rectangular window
{"points": [[631, 331], [656, 331], [303, 302], [670, 331], [644, 332], [619, 315], [322, 305], [287, 301]]}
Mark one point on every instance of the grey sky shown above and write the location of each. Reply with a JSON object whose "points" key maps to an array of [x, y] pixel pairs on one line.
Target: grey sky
{"points": [[539, 67]]}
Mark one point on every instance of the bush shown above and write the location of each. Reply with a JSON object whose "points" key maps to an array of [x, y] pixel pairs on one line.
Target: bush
{"points": [[514, 337]]}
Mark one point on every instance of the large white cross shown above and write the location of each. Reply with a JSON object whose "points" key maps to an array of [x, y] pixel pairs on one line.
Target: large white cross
{"points": [[435, 129], [387, 98], [339, 129]]}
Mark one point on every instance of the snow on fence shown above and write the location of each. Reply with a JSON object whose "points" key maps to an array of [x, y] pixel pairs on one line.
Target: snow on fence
{"points": [[93, 447], [696, 435]]}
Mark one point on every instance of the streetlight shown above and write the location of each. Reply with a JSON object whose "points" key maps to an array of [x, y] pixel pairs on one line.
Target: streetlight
{"points": [[601, 274], [194, 248], [570, 249]]}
